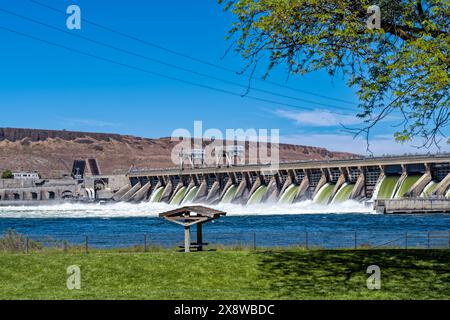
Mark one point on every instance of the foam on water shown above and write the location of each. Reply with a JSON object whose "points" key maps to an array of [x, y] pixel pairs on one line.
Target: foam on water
{"points": [[113, 210]]}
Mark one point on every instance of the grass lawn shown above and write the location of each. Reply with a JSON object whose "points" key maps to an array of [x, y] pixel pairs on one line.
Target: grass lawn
{"points": [[277, 274]]}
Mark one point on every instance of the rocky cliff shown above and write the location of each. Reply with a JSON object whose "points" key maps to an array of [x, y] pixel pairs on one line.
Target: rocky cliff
{"points": [[52, 152]]}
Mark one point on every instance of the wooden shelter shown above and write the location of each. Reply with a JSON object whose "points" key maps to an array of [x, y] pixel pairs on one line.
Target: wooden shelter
{"points": [[189, 216]]}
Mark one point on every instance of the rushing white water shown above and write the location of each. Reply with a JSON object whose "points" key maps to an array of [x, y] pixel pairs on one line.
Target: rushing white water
{"points": [[156, 196], [113, 210], [377, 189], [257, 196], [179, 196], [230, 194], [429, 188], [289, 194], [191, 195]]}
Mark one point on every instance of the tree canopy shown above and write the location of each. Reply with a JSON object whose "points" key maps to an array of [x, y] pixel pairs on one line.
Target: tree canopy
{"points": [[401, 67], [7, 174]]}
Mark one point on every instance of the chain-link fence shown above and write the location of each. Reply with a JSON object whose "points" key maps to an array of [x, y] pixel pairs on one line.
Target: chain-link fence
{"points": [[12, 241]]}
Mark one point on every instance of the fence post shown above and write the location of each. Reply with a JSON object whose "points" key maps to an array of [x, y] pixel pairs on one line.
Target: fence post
{"points": [[254, 240], [449, 238], [87, 244], [306, 240], [27, 245], [356, 240], [145, 242], [406, 240], [428, 244]]}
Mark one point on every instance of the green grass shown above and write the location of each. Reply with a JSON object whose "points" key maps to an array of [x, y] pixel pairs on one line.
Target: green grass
{"points": [[277, 274]]}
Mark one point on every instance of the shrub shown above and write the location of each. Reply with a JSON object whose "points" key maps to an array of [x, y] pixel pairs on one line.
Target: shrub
{"points": [[7, 174], [15, 242]]}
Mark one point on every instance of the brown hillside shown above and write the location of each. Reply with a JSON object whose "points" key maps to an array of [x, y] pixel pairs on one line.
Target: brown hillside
{"points": [[52, 152]]}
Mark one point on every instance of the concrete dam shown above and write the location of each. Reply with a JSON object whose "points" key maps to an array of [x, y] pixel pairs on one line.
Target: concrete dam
{"points": [[382, 180]]}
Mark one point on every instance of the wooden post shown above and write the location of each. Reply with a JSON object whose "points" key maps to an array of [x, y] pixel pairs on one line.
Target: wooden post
{"points": [[356, 240], [145, 242], [27, 245], [306, 240], [86, 244], [254, 241], [187, 239], [200, 236], [406, 240]]}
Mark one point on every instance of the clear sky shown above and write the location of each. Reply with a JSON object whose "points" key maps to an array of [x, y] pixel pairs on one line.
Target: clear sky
{"points": [[48, 87]]}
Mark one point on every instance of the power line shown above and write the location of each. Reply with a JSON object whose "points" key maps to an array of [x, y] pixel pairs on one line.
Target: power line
{"points": [[186, 56], [154, 73], [163, 62]]}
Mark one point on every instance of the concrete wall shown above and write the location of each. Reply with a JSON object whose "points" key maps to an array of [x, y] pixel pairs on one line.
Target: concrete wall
{"points": [[365, 177], [40, 193], [415, 205], [13, 183], [303, 165], [114, 182], [39, 190], [366, 174]]}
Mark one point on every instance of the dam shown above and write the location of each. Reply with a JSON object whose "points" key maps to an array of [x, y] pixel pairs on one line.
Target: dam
{"points": [[324, 182], [394, 184]]}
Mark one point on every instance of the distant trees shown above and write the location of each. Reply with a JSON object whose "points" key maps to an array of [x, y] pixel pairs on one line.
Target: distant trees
{"points": [[7, 174]]}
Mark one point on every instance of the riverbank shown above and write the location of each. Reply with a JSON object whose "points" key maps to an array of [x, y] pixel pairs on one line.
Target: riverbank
{"points": [[277, 274]]}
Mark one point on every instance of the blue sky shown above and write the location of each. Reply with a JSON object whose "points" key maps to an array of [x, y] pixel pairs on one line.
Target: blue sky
{"points": [[42, 86]]}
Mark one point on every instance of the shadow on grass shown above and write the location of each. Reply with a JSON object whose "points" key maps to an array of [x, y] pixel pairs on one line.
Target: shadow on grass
{"points": [[405, 274]]}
